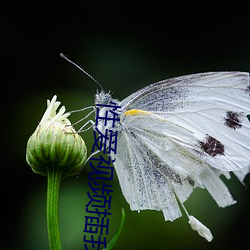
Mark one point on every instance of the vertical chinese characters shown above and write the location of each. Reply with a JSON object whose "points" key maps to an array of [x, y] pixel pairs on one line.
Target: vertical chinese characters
{"points": [[100, 194]]}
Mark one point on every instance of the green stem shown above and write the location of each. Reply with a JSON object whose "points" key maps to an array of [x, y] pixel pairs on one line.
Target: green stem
{"points": [[117, 234], [54, 177]]}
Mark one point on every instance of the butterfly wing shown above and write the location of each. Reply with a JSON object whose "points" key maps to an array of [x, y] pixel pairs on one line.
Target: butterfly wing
{"points": [[137, 177], [181, 133], [153, 169], [213, 106]]}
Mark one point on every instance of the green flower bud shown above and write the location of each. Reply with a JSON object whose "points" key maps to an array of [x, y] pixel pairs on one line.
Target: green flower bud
{"points": [[55, 143]]}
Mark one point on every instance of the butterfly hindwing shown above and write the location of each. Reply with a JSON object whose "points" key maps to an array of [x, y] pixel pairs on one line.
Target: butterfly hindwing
{"points": [[141, 184], [153, 166]]}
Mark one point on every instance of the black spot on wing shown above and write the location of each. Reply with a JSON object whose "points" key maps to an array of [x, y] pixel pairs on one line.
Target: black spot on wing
{"points": [[190, 181], [248, 89], [233, 119], [212, 146]]}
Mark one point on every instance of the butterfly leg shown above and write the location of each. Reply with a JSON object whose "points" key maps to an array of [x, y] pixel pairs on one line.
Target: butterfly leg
{"points": [[83, 127], [91, 155]]}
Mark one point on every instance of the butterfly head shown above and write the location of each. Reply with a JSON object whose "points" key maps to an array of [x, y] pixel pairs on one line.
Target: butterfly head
{"points": [[102, 97], [104, 103]]}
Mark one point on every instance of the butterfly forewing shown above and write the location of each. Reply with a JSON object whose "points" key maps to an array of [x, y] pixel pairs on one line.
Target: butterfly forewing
{"points": [[212, 106], [176, 93]]}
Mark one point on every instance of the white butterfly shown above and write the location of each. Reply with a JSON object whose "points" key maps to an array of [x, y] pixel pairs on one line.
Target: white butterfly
{"points": [[182, 133]]}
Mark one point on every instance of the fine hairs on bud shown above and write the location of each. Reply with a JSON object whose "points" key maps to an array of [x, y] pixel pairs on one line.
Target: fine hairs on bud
{"points": [[68, 60]]}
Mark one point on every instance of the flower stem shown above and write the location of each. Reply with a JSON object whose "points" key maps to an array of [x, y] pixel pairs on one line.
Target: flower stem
{"points": [[53, 185]]}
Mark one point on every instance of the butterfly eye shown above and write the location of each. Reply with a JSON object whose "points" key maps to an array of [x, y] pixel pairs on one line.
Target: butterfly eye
{"points": [[102, 98], [106, 99]]}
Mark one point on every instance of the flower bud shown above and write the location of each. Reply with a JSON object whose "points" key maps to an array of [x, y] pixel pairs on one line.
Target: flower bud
{"points": [[55, 143]]}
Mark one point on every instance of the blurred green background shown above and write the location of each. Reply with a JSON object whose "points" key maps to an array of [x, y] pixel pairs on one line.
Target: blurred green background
{"points": [[125, 47]]}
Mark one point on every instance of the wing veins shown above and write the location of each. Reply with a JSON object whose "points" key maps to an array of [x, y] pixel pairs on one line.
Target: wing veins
{"points": [[132, 153], [145, 186]]}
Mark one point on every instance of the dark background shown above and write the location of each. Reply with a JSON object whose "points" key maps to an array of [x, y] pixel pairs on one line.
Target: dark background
{"points": [[125, 45]]}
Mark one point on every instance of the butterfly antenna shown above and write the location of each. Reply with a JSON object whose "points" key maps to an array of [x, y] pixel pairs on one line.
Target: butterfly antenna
{"points": [[90, 76]]}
